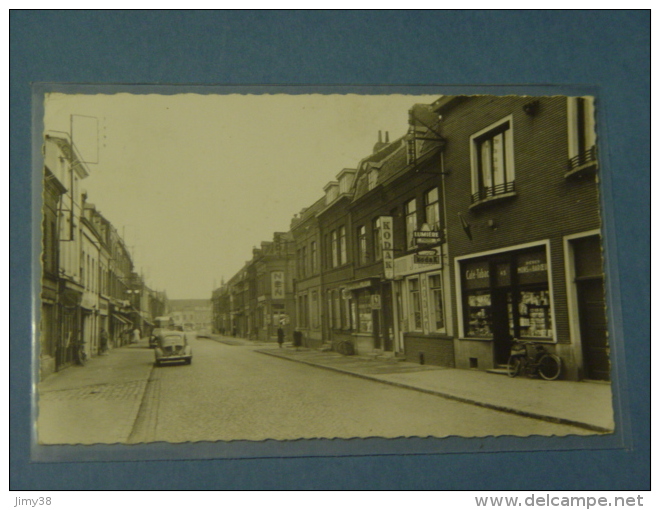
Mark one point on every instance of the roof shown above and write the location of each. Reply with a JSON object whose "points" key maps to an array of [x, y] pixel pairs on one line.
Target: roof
{"points": [[69, 151]]}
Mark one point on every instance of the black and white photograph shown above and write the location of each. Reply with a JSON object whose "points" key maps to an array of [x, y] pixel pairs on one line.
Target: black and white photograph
{"points": [[223, 267]]}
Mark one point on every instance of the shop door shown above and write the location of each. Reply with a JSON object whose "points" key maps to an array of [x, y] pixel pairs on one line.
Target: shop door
{"points": [[501, 337], [593, 328]]}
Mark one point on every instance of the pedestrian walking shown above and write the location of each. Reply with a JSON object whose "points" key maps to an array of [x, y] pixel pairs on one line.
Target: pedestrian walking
{"points": [[103, 337], [136, 335], [280, 336]]}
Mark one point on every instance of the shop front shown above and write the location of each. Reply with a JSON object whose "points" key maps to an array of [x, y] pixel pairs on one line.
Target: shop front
{"points": [[503, 295], [422, 330], [369, 303]]}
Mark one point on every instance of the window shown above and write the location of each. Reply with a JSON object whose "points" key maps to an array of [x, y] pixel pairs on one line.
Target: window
{"points": [[313, 256], [303, 256], [581, 132], [492, 158], [82, 268], [378, 248], [411, 222], [342, 245], [315, 310], [365, 317], [333, 248], [373, 178], [437, 312], [432, 209], [362, 245], [516, 297], [336, 309], [415, 304]]}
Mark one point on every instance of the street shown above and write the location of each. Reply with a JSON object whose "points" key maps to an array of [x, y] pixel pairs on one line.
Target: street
{"points": [[231, 392]]}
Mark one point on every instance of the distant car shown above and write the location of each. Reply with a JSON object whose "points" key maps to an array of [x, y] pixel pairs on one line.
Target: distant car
{"points": [[203, 333], [172, 346]]}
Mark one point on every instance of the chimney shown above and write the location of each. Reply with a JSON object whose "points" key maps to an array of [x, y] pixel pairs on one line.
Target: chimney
{"points": [[380, 144]]}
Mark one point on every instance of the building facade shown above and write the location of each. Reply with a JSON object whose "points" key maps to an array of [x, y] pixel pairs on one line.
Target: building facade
{"points": [[193, 314], [526, 254], [87, 278], [480, 226]]}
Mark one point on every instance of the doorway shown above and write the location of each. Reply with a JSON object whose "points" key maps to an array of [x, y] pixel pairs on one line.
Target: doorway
{"points": [[501, 310], [593, 329]]}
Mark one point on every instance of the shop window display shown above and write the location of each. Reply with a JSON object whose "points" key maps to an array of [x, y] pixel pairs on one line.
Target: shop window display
{"points": [[480, 317], [365, 324], [508, 295]]}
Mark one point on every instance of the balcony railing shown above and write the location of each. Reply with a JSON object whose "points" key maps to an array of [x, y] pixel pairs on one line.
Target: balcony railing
{"points": [[584, 158], [492, 191]]}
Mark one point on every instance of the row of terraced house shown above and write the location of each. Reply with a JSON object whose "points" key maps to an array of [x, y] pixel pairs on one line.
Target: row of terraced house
{"points": [[480, 225], [88, 281]]}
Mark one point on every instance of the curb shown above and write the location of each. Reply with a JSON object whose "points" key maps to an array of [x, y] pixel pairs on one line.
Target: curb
{"points": [[449, 396]]}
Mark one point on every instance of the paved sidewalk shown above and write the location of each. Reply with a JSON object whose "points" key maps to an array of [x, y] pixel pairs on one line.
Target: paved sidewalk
{"points": [[95, 403], [583, 404]]}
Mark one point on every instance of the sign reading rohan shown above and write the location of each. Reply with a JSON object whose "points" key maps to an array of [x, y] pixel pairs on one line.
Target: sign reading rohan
{"points": [[387, 246]]}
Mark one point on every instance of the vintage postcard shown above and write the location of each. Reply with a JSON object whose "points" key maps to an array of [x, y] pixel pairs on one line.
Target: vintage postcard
{"points": [[222, 267]]}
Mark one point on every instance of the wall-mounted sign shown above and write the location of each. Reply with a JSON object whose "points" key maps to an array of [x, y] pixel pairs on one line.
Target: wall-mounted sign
{"points": [[375, 301], [427, 257], [277, 284], [386, 239], [426, 236]]}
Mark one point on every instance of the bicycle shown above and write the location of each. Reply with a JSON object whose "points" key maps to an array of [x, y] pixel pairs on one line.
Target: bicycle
{"points": [[345, 348], [532, 358]]}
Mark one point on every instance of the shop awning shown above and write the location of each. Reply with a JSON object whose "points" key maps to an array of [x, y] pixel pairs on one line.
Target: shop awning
{"points": [[121, 319]]}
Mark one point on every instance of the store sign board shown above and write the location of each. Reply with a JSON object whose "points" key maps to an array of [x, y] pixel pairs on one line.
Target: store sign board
{"points": [[360, 285], [387, 245], [408, 264], [375, 302], [425, 257], [426, 237], [532, 267]]}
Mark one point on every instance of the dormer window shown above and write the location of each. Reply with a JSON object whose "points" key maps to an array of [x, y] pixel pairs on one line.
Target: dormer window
{"points": [[372, 178], [345, 179], [331, 192]]}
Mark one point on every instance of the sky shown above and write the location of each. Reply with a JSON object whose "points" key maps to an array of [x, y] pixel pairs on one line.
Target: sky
{"points": [[195, 181]]}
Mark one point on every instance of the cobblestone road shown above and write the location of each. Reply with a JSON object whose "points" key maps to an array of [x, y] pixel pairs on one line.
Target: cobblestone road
{"points": [[231, 392]]}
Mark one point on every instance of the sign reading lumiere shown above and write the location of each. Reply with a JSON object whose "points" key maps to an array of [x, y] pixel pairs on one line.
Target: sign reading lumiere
{"points": [[387, 245]]}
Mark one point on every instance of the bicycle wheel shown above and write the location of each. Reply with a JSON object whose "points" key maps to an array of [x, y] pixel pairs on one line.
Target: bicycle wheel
{"points": [[513, 366], [549, 367]]}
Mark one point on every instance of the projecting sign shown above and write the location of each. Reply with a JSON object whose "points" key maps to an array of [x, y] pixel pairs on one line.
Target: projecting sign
{"points": [[387, 246], [277, 284], [426, 236]]}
